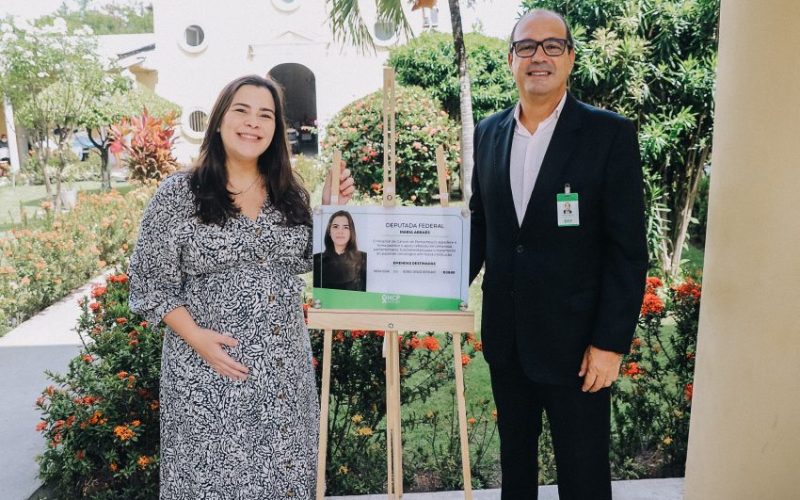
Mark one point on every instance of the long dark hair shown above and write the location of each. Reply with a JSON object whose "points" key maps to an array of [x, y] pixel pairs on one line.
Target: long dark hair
{"points": [[351, 250], [209, 181]]}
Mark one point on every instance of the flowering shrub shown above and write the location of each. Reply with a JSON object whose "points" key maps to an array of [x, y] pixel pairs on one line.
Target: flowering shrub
{"points": [[357, 131], [42, 263], [101, 419], [147, 141], [652, 404]]}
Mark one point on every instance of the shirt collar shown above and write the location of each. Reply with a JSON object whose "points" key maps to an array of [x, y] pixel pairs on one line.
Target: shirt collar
{"points": [[556, 112]]}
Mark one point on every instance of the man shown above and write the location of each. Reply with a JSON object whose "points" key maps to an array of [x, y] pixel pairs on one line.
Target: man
{"points": [[558, 220]]}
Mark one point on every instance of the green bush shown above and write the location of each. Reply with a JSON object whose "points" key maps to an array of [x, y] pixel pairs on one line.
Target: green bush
{"points": [[428, 61], [101, 419], [357, 131], [652, 404], [42, 263]]}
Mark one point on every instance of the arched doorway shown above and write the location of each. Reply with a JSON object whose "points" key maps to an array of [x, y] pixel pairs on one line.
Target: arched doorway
{"points": [[300, 91]]}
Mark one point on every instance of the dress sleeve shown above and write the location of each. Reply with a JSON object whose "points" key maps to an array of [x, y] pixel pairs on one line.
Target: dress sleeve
{"points": [[305, 262], [156, 279]]}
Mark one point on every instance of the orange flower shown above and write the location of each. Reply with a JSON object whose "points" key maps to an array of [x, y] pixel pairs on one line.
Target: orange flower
{"points": [[471, 421], [41, 426], [154, 405], [636, 342], [113, 467], [414, 342], [94, 306], [136, 423], [376, 188], [143, 324], [430, 343], [144, 461], [121, 321], [465, 359], [338, 336], [122, 375], [478, 346], [652, 305], [688, 391], [494, 414], [99, 291], [87, 358], [123, 432]]}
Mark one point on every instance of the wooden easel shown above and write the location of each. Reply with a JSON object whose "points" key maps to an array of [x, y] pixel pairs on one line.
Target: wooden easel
{"points": [[392, 322]]}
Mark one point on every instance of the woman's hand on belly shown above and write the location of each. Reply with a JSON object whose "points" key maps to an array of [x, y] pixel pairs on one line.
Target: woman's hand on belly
{"points": [[209, 345]]}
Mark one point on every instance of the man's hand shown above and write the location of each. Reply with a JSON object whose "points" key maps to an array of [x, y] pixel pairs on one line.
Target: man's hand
{"points": [[346, 187], [599, 368]]}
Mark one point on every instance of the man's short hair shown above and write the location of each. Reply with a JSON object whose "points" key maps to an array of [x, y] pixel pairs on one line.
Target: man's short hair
{"points": [[570, 40]]}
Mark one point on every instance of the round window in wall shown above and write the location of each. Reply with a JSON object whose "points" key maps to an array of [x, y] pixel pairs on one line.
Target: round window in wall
{"points": [[286, 5], [194, 36], [198, 121], [385, 31]]}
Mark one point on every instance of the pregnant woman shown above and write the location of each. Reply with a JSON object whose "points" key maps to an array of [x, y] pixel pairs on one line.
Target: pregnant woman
{"points": [[217, 260]]}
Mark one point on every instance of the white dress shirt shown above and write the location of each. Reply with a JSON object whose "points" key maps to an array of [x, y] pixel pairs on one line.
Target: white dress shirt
{"points": [[527, 153]]}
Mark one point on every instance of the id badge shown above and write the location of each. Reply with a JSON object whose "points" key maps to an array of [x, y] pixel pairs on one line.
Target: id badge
{"points": [[567, 208]]}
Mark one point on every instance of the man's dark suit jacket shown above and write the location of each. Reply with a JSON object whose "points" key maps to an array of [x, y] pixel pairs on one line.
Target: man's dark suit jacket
{"points": [[550, 291]]}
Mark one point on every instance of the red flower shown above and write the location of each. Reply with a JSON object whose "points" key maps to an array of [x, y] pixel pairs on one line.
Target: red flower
{"points": [[41, 426], [652, 305], [414, 342], [430, 343], [688, 290], [652, 284], [122, 321], [122, 375], [99, 291], [314, 362], [465, 359], [415, 179], [632, 369], [636, 342], [87, 358], [688, 391], [357, 334], [477, 345], [94, 306], [143, 324]]}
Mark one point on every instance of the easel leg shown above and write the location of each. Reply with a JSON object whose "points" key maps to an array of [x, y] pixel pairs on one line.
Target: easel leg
{"points": [[462, 417], [394, 445], [397, 446], [389, 416], [323, 413]]}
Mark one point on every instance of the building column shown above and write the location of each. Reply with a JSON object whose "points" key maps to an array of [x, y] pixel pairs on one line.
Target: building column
{"points": [[744, 439]]}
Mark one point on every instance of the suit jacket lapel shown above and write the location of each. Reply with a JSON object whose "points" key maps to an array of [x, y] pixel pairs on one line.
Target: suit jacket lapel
{"points": [[562, 144], [505, 134]]}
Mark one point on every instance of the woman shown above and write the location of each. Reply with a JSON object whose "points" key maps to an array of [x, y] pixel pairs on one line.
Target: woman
{"points": [[341, 266], [216, 260]]}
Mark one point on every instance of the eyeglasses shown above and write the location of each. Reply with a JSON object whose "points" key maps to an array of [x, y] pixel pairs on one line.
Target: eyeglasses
{"points": [[553, 47]]}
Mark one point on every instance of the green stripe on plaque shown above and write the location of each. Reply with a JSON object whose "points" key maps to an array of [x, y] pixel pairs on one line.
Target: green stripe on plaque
{"points": [[346, 299]]}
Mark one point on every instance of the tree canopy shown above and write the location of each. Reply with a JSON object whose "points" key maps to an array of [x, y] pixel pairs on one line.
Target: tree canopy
{"points": [[653, 61], [427, 62]]}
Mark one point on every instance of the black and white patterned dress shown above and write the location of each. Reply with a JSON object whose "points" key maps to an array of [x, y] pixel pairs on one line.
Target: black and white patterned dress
{"points": [[225, 439]]}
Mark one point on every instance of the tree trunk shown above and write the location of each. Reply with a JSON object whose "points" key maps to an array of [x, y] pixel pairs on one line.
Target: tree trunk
{"points": [[102, 147], [465, 108], [685, 214]]}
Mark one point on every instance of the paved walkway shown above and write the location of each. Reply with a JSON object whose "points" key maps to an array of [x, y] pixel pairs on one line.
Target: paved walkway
{"points": [[48, 341], [45, 342]]}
